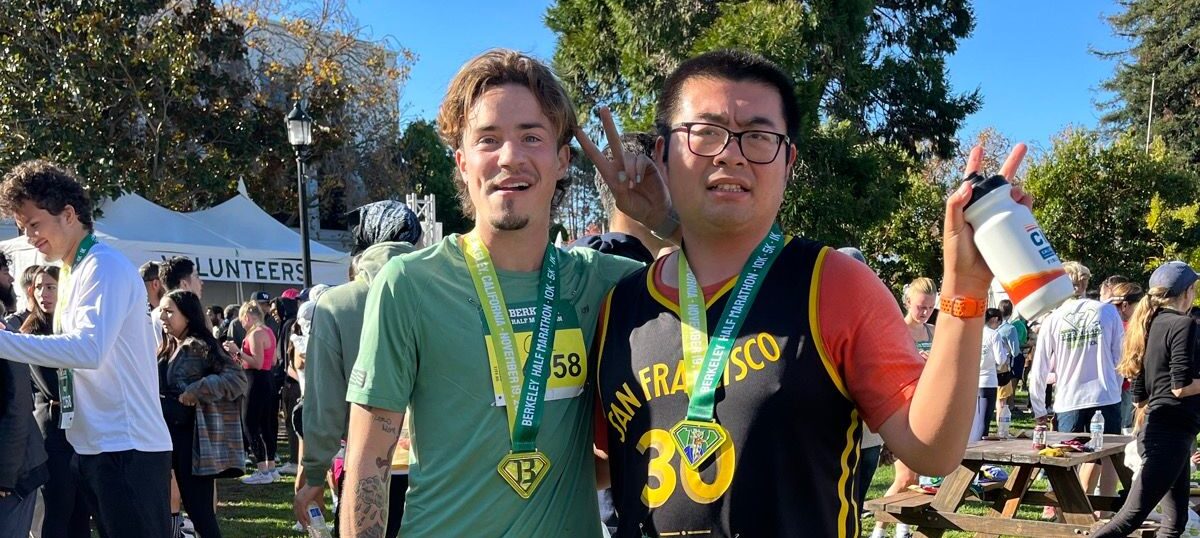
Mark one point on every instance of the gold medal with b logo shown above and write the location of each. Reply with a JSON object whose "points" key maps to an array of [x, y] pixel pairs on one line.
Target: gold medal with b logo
{"points": [[524, 467], [524, 471]]}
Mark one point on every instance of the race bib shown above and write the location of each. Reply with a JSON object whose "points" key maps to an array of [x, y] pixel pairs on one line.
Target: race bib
{"points": [[568, 363]]}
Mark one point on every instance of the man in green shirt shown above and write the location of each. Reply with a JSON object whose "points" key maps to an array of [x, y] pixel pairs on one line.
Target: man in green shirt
{"points": [[484, 336]]}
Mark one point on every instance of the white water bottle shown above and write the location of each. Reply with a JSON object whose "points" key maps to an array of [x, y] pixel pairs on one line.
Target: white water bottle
{"points": [[1015, 248], [317, 528], [1097, 429], [1002, 422]]}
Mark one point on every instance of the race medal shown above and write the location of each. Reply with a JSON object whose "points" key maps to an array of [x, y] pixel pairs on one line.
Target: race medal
{"points": [[524, 392], [699, 436], [524, 471], [697, 441], [66, 376]]}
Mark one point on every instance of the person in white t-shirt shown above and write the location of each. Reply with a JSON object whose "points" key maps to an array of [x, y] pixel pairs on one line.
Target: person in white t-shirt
{"points": [[103, 346], [992, 354], [1080, 344]]}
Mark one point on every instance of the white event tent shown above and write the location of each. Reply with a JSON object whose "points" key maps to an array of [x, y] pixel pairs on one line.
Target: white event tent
{"points": [[238, 248]]}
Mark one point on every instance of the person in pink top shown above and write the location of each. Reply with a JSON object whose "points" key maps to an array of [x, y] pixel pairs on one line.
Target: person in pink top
{"points": [[257, 355]]}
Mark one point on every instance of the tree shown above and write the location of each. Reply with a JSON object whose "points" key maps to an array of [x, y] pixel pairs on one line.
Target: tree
{"points": [[426, 167], [580, 210], [1114, 207], [1163, 37], [878, 65], [136, 95], [843, 186], [316, 50], [870, 81], [909, 243]]}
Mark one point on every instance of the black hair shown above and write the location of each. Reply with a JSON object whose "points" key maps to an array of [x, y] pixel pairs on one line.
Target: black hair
{"points": [[172, 271], [286, 308], [727, 64], [3, 261], [992, 313], [50, 188], [217, 309], [188, 305]]}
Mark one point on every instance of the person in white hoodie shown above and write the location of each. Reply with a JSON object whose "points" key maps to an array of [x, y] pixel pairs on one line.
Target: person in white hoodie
{"points": [[1080, 345]]}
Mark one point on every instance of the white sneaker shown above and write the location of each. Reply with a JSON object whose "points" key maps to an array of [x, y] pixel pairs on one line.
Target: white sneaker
{"points": [[289, 469], [298, 527], [902, 531], [877, 533], [258, 478], [274, 474]]}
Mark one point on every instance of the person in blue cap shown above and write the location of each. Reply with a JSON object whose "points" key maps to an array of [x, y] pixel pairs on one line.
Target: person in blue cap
{"points": [[1160, 359]]}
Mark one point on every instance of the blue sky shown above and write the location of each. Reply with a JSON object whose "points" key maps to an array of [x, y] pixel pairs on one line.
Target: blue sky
{"points": [[1029, 58]]}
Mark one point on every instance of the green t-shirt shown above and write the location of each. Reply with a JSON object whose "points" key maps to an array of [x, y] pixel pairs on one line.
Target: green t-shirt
{"points": [[1022, 328], [423, 348]]}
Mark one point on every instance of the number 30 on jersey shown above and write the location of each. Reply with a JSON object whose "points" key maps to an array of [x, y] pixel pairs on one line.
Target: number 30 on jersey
{"points": [[663, 471]]}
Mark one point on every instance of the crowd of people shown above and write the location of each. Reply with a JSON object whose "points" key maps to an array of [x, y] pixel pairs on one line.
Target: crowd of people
{"points": [[492, 384]]}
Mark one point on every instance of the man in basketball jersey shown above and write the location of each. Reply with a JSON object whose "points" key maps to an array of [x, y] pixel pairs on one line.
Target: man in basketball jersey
{"points": [[785, 347]]}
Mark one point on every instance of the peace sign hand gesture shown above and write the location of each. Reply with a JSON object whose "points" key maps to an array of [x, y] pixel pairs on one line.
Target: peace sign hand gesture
{"points": [[965, 271], [637, 185]]}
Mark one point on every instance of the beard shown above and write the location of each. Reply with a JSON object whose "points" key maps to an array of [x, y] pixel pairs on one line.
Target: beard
{"points": [[8, 297], [507, 221], [510, 223]]}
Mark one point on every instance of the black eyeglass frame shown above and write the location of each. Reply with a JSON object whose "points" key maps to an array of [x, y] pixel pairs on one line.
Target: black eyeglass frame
{"points": [[686, 128]]}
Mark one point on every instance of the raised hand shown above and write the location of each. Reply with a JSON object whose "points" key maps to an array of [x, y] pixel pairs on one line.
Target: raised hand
{"points": [[965, 271], [636, 182]]}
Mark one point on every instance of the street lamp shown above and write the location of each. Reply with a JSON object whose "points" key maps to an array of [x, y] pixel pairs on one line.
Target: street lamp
{"points": [[299, 126]]}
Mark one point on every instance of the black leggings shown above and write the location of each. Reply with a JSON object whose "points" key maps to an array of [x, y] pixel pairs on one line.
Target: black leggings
{"points": [[1165, 448], [262, 416], [290, 395], [196, 492]]}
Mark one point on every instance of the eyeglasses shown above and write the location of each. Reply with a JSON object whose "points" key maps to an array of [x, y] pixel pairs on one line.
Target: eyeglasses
{"points": [[709, 140]]}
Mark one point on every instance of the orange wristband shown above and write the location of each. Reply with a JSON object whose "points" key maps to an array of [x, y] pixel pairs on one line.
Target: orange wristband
{"points": [[963, 307]]}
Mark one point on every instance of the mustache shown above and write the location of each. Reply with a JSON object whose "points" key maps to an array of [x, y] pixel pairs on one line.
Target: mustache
{"points": [[491, 185]]}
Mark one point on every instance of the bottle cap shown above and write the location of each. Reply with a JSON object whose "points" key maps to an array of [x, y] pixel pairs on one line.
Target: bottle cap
{"points": [[981, 186]]}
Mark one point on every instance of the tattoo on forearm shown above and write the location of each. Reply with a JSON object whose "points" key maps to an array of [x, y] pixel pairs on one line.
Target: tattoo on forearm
{"points": [[370, 514], [386, 424]]}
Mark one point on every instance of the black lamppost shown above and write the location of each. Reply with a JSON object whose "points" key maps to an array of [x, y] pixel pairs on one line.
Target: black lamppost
{"points": [[299, 126]]}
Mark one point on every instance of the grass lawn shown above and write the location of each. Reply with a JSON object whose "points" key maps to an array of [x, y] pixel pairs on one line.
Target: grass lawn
{"points": [[259, 511], [265, 511], [885, 474], [256, 511]]}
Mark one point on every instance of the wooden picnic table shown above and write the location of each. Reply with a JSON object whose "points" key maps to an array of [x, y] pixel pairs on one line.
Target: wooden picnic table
{"points": [[937, 513]]}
